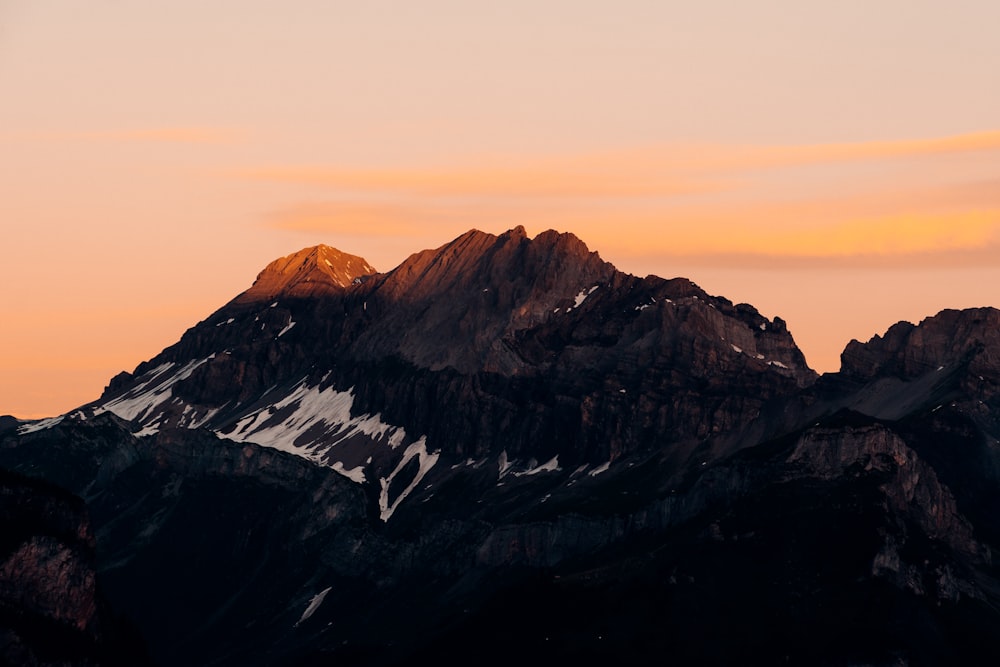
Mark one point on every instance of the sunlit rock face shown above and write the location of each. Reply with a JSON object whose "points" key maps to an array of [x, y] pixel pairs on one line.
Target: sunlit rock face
{"points": [[505, 437], [310, 272]]}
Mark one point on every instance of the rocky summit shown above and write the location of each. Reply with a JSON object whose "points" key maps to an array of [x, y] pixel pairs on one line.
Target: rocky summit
{"points": [[506, 449]]}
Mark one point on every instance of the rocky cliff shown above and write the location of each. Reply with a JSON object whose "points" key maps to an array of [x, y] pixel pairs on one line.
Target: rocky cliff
{"points": [[51, 611]]}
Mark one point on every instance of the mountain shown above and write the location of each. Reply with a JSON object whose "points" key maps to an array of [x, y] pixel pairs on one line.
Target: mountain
{"points": [[505, 447], [564, 357]]}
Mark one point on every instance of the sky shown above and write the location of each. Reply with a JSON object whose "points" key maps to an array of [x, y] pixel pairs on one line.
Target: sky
{"points": [[834, 164]]}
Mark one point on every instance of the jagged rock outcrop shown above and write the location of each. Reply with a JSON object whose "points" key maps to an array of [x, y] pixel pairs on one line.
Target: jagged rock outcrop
{"points": [[47, 562], [458, 306], [911, 487], [51, 611], [908, 351], [951, 359]]}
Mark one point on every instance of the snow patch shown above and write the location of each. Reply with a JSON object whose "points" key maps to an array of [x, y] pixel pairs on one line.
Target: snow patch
{"points": [[763, 326], [139, 403], [39, 425], [777, 363], [314, 604], [325, 415], [599, 469], [426, 461], [549, 466], [737, 350], [288, 326], [582, 296], [354, 474], [504, 464], [468, 463], [197, 422]]}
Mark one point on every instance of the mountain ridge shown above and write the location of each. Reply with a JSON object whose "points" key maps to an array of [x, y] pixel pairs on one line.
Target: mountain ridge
{"points": [[507, 436], [483, 318]]}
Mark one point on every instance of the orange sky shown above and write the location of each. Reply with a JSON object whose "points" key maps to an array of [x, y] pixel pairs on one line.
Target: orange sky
{"points": [[836, 164]]}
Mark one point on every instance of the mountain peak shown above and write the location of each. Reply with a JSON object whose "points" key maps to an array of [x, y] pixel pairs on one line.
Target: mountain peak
{"points": [[308, 272], [515, 233], [908, 351], [479, 260]]}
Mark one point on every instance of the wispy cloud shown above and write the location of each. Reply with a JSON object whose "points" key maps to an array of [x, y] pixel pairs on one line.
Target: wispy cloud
{"points": [[953, 239], [362, 219], [665, 171], [752, 239], [723, 158], [577, 180], [158, 135], [701, 204]]}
